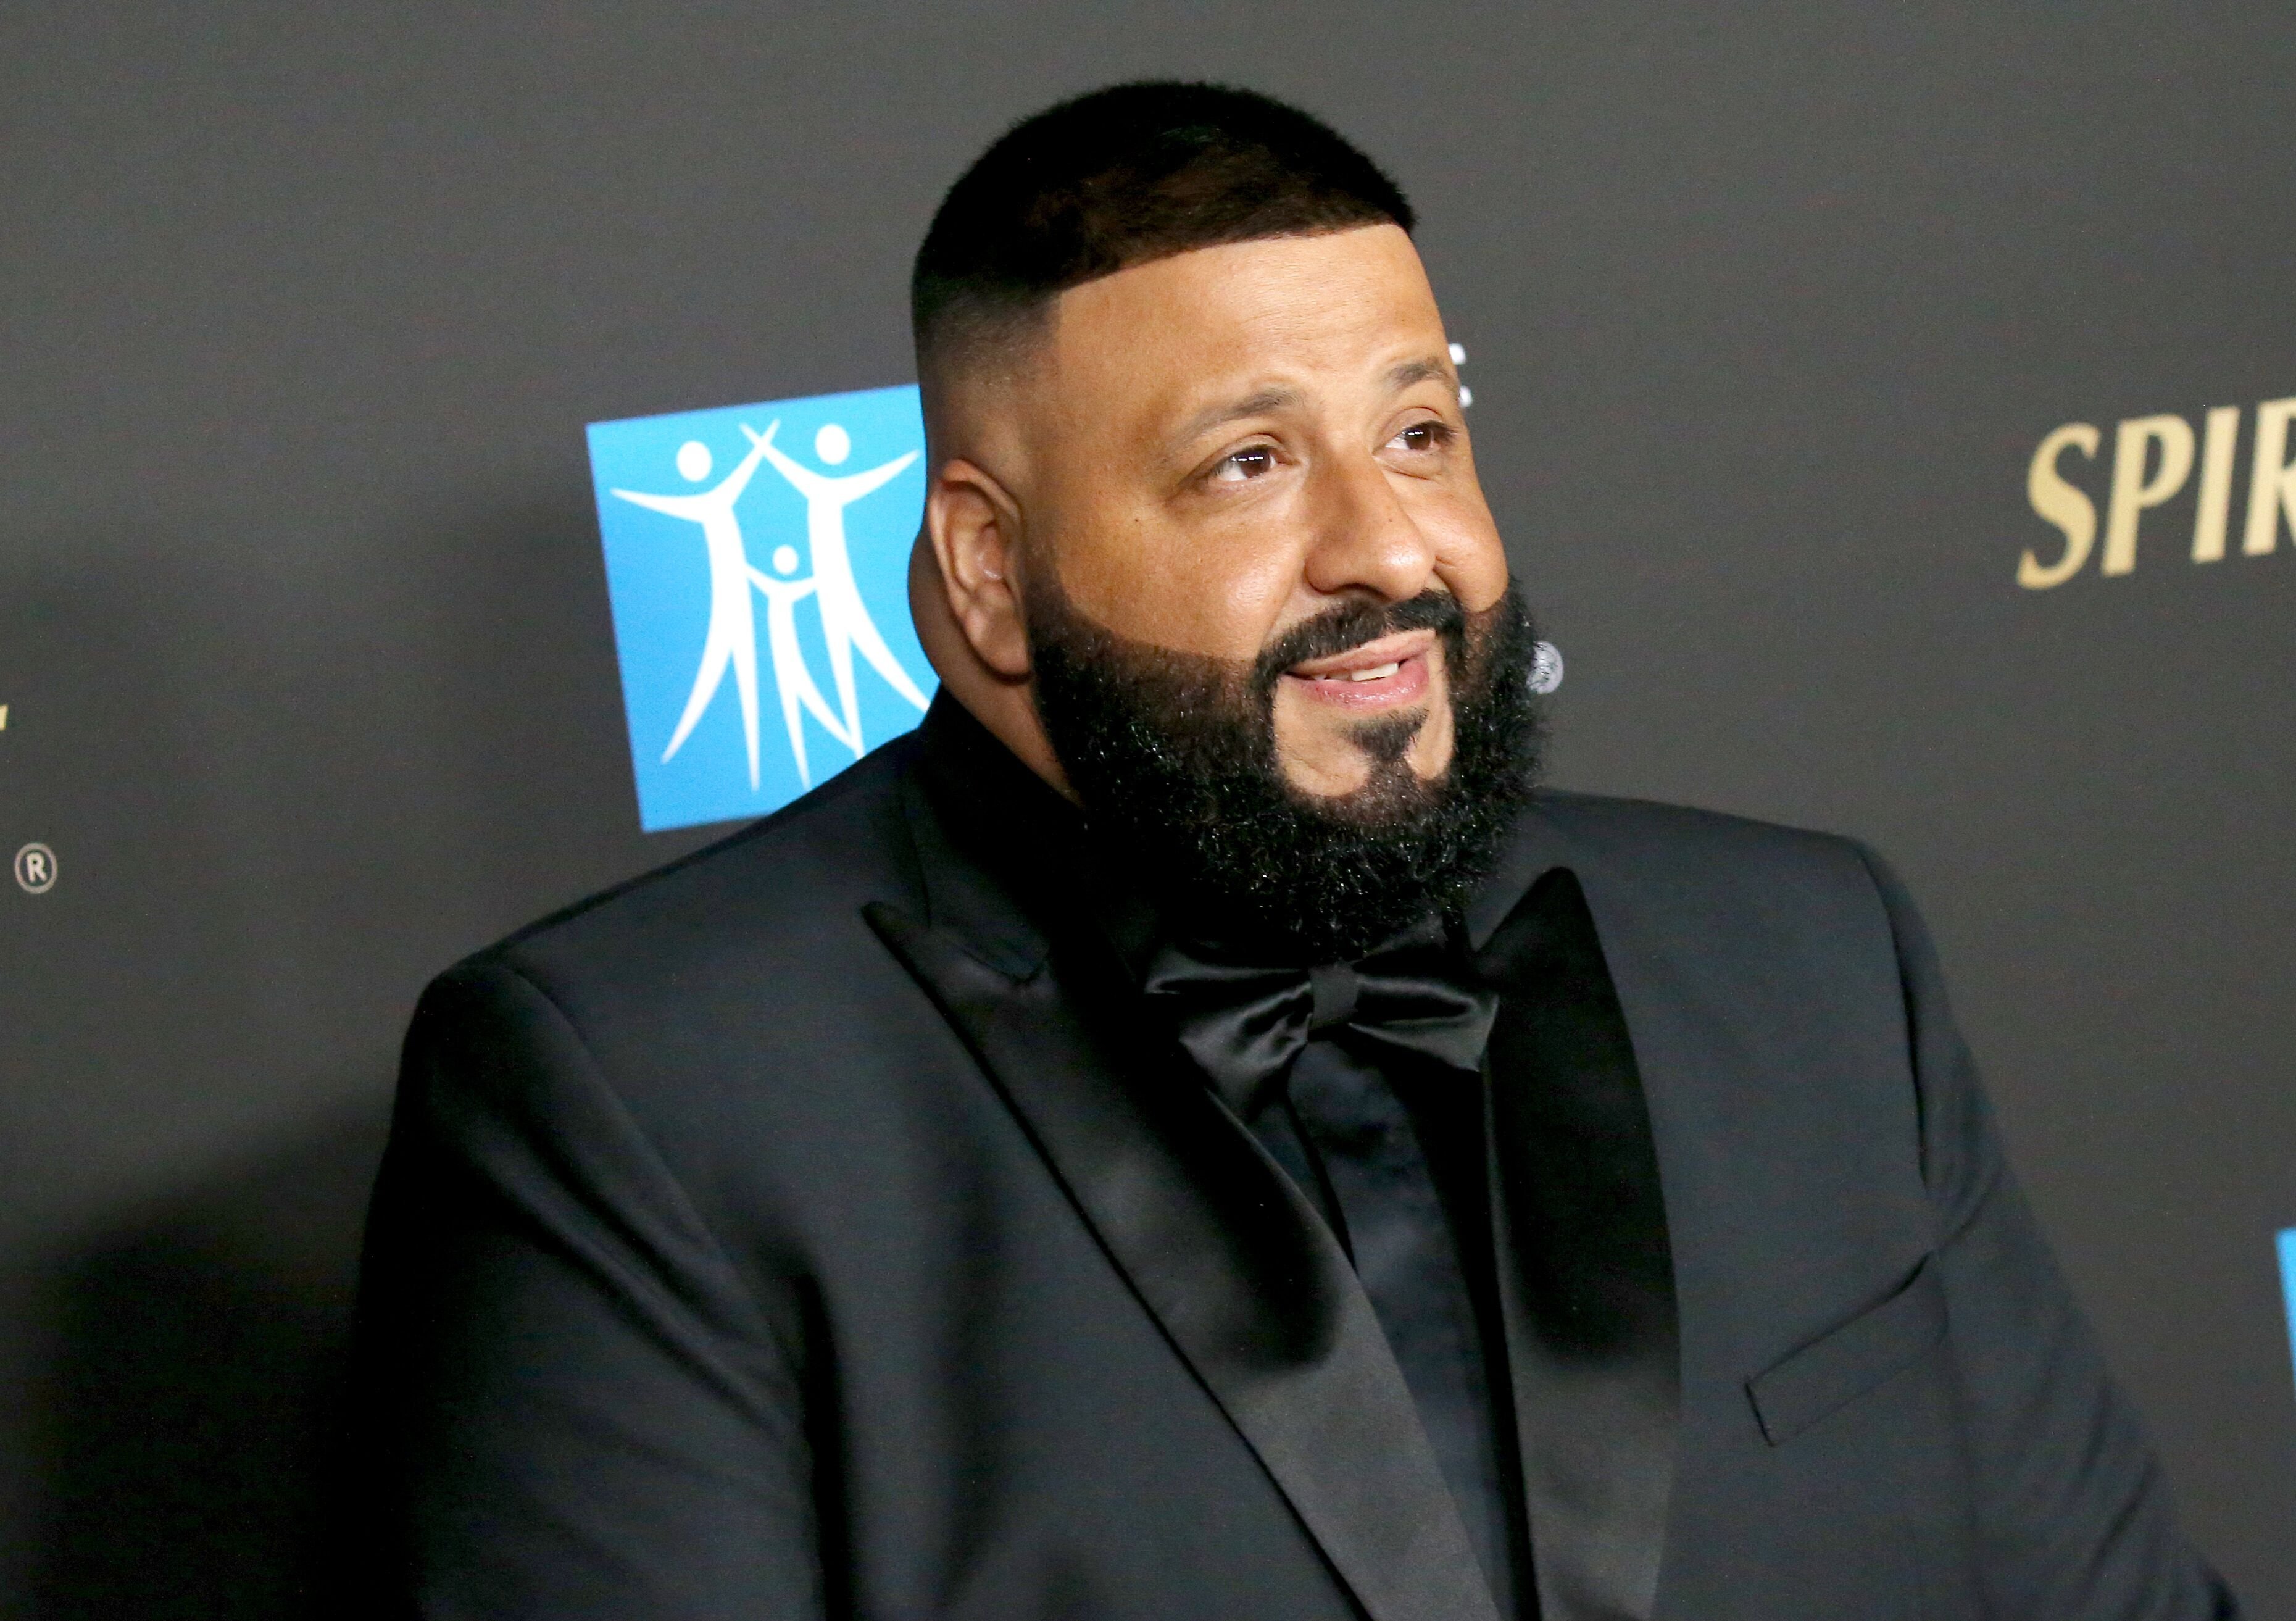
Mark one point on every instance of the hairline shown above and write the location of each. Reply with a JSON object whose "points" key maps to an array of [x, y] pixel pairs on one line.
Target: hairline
{"points": [[1011, 323]]}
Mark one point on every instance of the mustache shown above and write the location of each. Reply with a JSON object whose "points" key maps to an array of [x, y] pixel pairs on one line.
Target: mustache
{"points": [[1351, 624]]}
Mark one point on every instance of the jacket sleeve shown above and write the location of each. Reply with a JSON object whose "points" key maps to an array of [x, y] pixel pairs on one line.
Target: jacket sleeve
{"points": [[2073, 1511], [566, 1402]]}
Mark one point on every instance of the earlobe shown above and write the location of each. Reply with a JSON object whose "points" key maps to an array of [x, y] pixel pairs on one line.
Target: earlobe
{"points": [[974, 526]]}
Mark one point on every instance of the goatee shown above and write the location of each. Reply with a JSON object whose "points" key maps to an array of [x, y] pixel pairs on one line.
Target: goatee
{"points": [[1174, 758]]}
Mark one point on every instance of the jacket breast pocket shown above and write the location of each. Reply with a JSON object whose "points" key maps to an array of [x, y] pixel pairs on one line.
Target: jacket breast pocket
{"points": [[1845, 1362]]}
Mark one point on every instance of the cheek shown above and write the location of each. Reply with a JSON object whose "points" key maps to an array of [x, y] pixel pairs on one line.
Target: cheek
{"points": [[1185, 594]]}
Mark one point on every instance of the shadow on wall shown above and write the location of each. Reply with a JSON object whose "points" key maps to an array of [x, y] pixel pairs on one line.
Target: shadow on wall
{"points": [[276, 819], [185, 1442]]}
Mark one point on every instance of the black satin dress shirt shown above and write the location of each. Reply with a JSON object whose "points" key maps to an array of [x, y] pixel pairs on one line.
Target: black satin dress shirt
{"points": [[1391, 1151]]}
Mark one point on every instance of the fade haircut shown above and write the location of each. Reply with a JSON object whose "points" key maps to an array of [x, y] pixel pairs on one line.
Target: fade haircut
{"points": [[1119, 177]]}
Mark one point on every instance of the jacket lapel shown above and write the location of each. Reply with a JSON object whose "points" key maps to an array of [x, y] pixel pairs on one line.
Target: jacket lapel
{"points": [[1212, 1237], [1586, 1266]]}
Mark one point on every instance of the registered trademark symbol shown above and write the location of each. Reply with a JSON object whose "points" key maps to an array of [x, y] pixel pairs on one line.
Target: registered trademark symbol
{"points": [[36, 868]]}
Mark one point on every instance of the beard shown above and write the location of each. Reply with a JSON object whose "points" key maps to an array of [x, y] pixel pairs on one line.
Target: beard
{"points": [[1174, 758]]}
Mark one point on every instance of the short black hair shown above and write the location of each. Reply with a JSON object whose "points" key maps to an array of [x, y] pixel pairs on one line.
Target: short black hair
{"points": [[1118, 177]]}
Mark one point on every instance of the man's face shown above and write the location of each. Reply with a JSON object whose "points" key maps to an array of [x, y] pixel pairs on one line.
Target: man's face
{"points": [[1225, 445]]}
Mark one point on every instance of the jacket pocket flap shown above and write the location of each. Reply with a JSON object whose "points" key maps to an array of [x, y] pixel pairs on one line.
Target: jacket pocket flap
{"points": [[1845, 1362]]}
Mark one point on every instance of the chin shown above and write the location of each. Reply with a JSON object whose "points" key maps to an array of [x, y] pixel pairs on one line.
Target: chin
{"points": [[1390, 791], [1379, 755]]}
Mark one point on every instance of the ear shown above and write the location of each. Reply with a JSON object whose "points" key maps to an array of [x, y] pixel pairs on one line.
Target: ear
{"points": [[974, 526]]}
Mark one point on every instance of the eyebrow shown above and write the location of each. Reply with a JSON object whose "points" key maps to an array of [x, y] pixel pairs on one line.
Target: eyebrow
{"points": [[1259, 402], [1425, 369]]}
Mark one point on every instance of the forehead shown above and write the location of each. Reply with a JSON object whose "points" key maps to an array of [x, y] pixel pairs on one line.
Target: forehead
{"points": [[1345, 302]]}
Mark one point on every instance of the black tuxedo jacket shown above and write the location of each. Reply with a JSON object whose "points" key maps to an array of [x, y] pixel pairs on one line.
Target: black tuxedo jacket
{"points": [[813, 1229]]}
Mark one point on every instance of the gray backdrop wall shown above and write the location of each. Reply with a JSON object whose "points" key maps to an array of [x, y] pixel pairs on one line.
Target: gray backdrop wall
{"points": [[310, 684]]}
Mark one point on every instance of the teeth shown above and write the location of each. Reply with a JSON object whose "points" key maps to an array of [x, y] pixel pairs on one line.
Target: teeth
{"points": [[1379, 674]]}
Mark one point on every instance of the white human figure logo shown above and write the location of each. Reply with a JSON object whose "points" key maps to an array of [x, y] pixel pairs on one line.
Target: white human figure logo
{"points": [[789, 672], [731, 641], [845, 621]]}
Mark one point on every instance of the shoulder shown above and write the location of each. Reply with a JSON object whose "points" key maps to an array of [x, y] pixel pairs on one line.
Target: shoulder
{"points": [[1689, 853], [1729, 893], [718, 1022], [782, 893], [1650, 830]]}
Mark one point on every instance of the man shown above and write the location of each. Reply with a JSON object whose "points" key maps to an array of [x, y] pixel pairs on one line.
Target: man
{"points": [[1187, 1133]]}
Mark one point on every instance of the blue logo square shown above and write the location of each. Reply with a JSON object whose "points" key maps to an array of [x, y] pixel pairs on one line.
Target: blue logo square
{"points": [[756, 558], [2288, 1281]]}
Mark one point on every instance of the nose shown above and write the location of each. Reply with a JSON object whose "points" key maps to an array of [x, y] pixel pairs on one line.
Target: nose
{"points": [[1364, 539]]}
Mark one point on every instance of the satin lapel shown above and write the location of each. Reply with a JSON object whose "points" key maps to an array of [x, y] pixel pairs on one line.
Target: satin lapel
{"points": [[1214, 1239], [1586, 1271]]}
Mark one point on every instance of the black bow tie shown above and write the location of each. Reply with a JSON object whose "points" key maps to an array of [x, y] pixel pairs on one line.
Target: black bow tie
{"points": [[1245, 1022]]}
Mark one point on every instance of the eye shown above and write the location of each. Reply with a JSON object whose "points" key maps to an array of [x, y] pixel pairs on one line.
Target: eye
{"points": [[1421, 437], [1249, 463]]}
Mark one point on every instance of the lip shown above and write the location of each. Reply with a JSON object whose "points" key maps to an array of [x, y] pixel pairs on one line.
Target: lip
{"points": [[1347, 679]]}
